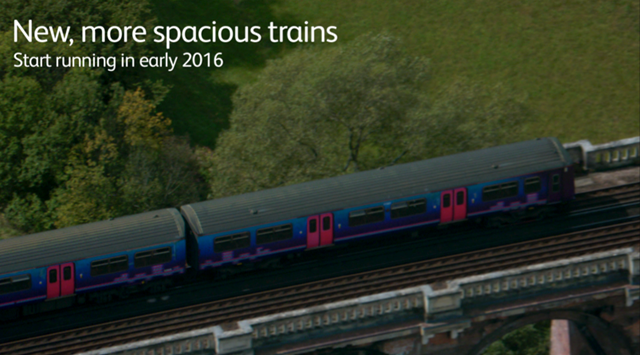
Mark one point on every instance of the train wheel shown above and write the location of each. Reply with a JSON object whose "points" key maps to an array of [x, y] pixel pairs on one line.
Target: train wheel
{"points": [[30, 309], [493, 222], [11, 314], [160, 286], [102, 297], [125, 292]]}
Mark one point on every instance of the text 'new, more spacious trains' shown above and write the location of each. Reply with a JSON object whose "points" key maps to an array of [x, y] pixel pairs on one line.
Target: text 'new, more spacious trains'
{"points": [[152, 250]]}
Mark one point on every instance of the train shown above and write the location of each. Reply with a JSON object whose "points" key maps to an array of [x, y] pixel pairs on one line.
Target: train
{"points": [[152, 251]]}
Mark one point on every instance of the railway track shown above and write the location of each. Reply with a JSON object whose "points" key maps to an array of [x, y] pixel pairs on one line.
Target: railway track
{"points": [[340, 288], [610, 196], [331, 290]]}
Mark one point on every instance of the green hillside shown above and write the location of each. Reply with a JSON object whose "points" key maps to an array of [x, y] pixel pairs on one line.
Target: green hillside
{"points": [[578, 61]]}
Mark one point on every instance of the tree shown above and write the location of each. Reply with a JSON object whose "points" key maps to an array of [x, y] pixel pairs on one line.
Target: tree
{"points": [[128, 166], [75, 14], [324, 112], [532, 339], [48, 115]]}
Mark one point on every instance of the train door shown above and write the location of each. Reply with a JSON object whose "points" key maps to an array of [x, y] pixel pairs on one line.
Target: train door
{"points": [[60, 280], [53, 281], [67, 282], [313, 232], [446, 208], [319, 230], [460, 204], [326, 229]]}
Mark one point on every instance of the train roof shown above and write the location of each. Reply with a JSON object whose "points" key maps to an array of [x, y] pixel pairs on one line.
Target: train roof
{"points": [[314, 197], [90, 240]]}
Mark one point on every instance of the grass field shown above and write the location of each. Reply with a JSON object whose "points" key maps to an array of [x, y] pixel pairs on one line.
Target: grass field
{"points": [[578, 61]]}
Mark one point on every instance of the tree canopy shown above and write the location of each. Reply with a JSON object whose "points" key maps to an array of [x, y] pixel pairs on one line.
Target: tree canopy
{"points": [[83, 144], [532, 339], [318, 113]]}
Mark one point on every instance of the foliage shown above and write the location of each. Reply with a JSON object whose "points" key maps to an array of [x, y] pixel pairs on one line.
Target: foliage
{"points": [[128, 166], [532, 339], [78, 13], [578, 61], [200, 98], [83, 144], [467, 116], [29, 213], [141, 126], [6, 231], [320, 113], [38, 127]]}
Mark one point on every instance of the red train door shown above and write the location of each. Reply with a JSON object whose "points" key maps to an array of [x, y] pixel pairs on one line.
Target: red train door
{"points": [[60, 280], [326, 229], [460, 204], [446, 208], [319, 230], [67, 283], [313, 232], [53, 281]]}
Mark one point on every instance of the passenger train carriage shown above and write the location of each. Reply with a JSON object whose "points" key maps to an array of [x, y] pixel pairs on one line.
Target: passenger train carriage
{"points": [[510, 178], [494, 185], [53, 269]]}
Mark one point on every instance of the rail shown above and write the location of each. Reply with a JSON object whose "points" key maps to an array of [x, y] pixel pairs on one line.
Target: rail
{"points": [[202, 327], [199, 327]]}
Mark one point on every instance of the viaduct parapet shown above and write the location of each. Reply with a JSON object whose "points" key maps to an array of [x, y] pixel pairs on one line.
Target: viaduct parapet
{"points": [[599, 293]]}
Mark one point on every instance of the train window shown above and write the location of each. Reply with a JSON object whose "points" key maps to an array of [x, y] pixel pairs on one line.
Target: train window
{"points": [[313, 225], [120, 263], [370, 215], [500, 191], [446, 200], [326, 223], [490, 193], [357, 218], [509, 189], [532, 185], [555, 186], [53, 276], [15, 284], [375, 214], [100, 267], [66, 273], [459, 198], [222, 244], [274, 234], [242, 240], [408, 208], [152, 257], [109, 266], [232, 242]]}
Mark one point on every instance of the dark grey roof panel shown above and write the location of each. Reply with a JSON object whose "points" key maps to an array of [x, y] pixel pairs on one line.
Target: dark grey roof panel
{"points": [[89, 240], [373, 186]]}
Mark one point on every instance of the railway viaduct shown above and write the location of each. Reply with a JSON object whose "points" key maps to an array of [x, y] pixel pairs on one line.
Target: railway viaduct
{"points": [[593, 297], [597, 293]]}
